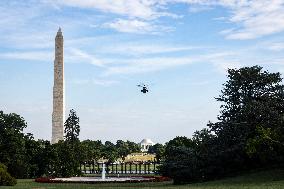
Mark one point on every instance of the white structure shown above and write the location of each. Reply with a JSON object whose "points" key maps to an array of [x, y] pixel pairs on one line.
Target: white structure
{"points": [[145, 144], [104, 172], [58, 91]]}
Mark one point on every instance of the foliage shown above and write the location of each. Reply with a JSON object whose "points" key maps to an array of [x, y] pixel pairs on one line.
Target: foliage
{"points": [[5, 178], [67, 153], [125, 148], [12, 144], [133, 147], [158, 150], [26, 157], [249, 132], [265, 143], [110, 152], [91, 150], [72, 127], [67, 160], [177, 153], [252, 99], [122, 149], [38, 156]]}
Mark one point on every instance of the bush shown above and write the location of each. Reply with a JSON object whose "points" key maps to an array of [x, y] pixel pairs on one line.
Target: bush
{"points": [[5, 178]]}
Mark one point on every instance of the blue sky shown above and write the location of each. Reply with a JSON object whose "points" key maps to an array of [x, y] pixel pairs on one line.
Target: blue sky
{"points": [[181, 48]]}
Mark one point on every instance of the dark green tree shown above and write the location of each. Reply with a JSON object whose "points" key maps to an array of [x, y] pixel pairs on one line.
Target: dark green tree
{"points": [[122, 149], [158, 150], [125, 148], [251, 99], [110, 152], [180, 160], [133, 147], [72, 127], [5, 178], [12, 144], [248, 134], [92, 150], [68, 153]]}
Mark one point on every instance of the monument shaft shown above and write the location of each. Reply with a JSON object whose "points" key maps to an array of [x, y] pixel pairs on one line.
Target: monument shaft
{"points": [[58, 91]]}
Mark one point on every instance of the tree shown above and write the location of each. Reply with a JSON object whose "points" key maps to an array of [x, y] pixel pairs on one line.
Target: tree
{"points": [[133, 147], [68, 152], [92, 150], [12, 144], [158, 150], [122, 149], [248, 134], [180, 160], [23, 156], [72, 127], [252, 99], [5, 178], [110, 152]]}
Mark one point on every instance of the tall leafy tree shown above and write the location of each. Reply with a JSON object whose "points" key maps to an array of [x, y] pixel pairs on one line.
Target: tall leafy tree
{"points": [[180, 160], [72, 127], [133, 147], [122, 149], [68, 152], [158, 150], [12, 144], [110, 152], [248, 134], [92, 150], [251, 98]]}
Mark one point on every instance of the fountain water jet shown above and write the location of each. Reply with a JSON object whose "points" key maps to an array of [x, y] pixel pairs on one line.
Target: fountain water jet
{"points": [[103, 173]]}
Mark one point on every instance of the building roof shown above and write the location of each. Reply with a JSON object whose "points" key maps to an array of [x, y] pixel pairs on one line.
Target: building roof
{"points": [[147, 141]]}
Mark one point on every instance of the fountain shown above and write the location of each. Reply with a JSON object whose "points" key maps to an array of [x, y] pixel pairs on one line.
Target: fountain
{"points": [[104, 173], [103, 179]]}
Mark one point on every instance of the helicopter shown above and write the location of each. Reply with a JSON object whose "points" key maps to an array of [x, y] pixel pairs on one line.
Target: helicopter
{"points": [[144, 88]]}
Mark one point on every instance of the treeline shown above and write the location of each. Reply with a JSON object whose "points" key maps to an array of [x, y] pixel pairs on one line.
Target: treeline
{"points": [[26, 157], [249, 133]]}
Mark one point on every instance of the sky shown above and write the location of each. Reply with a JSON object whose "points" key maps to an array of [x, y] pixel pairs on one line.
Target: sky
{"points": [[180, 48]]}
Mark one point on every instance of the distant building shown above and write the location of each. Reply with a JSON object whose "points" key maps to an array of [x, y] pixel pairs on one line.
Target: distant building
{"points": [[139, 157], [145, 144]]}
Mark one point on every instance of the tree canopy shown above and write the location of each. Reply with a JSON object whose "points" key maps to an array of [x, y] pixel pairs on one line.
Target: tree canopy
{"points": [[248, 134]]}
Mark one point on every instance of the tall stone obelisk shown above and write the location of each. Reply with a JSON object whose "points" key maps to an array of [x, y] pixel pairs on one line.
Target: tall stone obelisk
{"points": [[58, 91]]}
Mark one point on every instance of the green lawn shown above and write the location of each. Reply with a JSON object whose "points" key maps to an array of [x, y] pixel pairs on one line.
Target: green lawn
{"points": [[261, 180]]}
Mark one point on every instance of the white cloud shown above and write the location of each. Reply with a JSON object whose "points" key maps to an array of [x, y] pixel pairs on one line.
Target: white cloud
{"points": [[143, 9], [99, 82], [138, 49], [222, 61], [251, 18], [148, 65], [77, 55], [29, 55], [276, 46], [104, 83], [136, 26], [254, 18], [25, 40]]}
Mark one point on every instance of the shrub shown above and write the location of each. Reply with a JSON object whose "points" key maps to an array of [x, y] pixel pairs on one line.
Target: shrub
{"points": [[5, 178]]}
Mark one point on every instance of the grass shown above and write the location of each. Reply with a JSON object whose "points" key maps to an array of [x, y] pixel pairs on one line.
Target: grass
{"points": [[273, 179]]}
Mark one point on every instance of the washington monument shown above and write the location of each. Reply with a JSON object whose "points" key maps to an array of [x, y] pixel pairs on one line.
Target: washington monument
{"points": [[58, 91]]}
